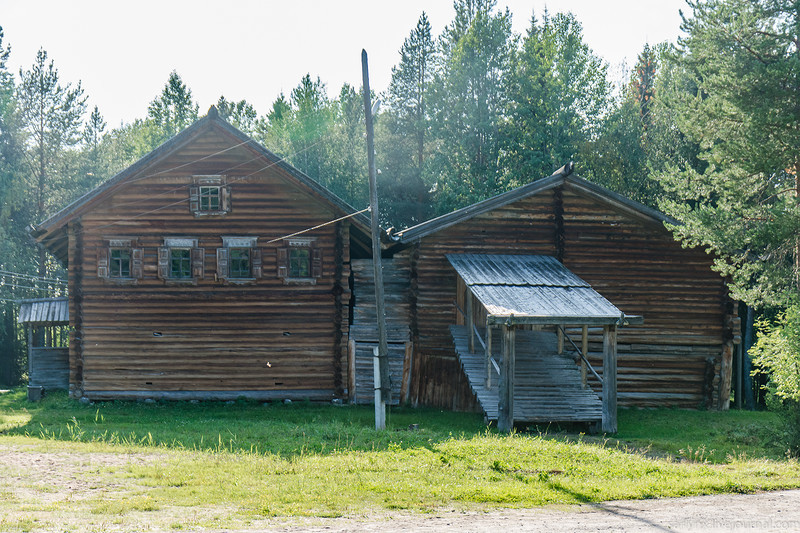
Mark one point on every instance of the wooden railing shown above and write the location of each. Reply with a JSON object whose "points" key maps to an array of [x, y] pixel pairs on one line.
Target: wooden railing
{"points": [[584, 360]]}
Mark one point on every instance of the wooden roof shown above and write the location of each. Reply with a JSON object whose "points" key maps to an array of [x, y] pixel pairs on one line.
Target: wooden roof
{"points": [[533, 289], [49, 311], [52, 233], [563, 177]]}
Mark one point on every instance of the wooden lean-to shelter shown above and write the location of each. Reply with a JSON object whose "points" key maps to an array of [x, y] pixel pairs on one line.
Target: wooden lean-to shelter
{"points": [[46, 322], [186, 281], [680, 355]]}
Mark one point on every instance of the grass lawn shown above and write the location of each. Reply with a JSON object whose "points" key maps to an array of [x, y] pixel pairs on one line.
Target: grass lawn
{"points": [[276, 460]]}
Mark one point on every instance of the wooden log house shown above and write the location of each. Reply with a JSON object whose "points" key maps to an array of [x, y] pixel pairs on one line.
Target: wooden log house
{"points": [[680, 355], [186, 281]]}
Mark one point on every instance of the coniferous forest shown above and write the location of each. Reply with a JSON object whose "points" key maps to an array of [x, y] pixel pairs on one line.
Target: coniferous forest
{"points": [[705, 130]]}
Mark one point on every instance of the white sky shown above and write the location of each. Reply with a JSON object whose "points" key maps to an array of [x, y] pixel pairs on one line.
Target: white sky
{"points": [[124, 51]]}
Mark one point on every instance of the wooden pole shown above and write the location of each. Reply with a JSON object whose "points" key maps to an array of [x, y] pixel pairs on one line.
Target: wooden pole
{"points": [[505, 419], [383, 348], [585, 350], [609, 424], [560, 337]]}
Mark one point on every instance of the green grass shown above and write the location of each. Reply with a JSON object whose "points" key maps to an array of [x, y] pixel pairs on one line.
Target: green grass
{"points": [[276, 460]]}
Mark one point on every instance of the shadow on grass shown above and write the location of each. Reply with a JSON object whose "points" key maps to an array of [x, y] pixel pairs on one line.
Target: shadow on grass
{"points": [[240, 426]]}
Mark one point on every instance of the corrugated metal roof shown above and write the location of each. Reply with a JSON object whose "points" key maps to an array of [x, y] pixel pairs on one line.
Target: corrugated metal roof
{"points": [[532, 289], [44, 311], [521, 270]]}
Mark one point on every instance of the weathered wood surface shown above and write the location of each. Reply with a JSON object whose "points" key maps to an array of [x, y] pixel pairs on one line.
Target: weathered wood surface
{"points": [[364, 333], [547, 386], [634, 263], [49, 368], [161, 339]]}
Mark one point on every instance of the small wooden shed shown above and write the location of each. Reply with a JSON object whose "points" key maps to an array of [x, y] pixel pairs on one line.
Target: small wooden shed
{"points": [[47, 323]]}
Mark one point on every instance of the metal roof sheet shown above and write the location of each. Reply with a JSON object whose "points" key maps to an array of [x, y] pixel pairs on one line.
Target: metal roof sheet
{"points": [[44, 311], [532, 289], [521, 270]]}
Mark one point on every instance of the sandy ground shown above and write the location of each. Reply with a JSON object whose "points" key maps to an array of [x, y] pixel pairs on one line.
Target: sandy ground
{"points": [[35, 485]]}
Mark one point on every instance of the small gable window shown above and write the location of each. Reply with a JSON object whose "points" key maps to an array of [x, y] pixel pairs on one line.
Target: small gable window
{"points": [[300, 261], [239, 260], [120, 261], [209, 195], [181, 261]]}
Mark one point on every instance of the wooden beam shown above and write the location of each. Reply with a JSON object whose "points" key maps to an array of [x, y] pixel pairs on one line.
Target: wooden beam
{"points": [[609, 424], [585, 350], [505, 419], [560, 335]]}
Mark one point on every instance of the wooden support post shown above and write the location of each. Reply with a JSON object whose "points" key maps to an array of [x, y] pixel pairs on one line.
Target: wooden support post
{"points": [[470, 320], [380, 403], [489, 369], [560, 335], [408, 358], [609, 424], [585, 350], [505, 419]]}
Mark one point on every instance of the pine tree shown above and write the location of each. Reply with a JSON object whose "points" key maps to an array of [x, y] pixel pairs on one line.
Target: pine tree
{"points": [[52, 115], [173, 110], [743, 61]]}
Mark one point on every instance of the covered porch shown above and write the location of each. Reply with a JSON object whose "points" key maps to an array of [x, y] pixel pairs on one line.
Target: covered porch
{"points": [[518, 313]]}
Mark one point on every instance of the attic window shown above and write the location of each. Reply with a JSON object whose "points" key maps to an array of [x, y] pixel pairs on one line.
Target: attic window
{"points": [[209, 195], [120, 261], [181, 261], [300, 261]]}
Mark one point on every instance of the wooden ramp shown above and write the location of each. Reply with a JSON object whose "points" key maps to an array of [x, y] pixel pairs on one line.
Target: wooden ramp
{"points": [[547, 386]]}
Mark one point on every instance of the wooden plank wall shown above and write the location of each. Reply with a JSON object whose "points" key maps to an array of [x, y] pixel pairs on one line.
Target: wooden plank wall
{"points": [[637, 265], [212, 340], [49, 368], [364, 332]]}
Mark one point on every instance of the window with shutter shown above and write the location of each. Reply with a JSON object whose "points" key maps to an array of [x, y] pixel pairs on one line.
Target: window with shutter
{"points": [[299, 261], [241, 260], [209, 195], [180, 261], [118, 261]]}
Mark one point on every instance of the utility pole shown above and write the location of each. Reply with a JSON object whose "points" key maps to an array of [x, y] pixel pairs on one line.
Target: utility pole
{"points": [[382, 379]]}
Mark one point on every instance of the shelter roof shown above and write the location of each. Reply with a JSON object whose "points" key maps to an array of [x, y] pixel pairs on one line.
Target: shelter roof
{"points": [[533, 289], [44, 311]]}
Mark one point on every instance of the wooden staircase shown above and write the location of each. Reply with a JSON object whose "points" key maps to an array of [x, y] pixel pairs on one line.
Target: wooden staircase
{"points": [[547, 386]]}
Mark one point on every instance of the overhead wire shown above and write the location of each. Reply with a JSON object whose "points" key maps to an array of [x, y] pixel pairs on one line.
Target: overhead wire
{"points": [[20, 275]]}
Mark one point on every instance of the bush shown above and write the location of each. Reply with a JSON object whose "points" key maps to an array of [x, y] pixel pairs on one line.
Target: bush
{"points": [[777, 356]]}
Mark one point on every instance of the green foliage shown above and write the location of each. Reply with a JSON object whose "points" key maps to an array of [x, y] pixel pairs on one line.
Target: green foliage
{"points": [[741, 108], [241, 114], [777, 354], [172, 111], [468, 99], [558, 95]]}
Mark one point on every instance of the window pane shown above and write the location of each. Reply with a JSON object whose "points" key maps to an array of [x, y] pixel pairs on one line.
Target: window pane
{"points": [[209, 198], [120, 263], [299, 262], [180, 263], [240, 263]]}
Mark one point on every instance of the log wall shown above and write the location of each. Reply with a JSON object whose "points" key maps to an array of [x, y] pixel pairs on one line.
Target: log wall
{"points": [[633, 262], [213, 339]]}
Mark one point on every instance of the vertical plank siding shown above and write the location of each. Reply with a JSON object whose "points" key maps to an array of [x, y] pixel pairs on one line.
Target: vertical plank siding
{"points": [[212, 339], [634, 263]]}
